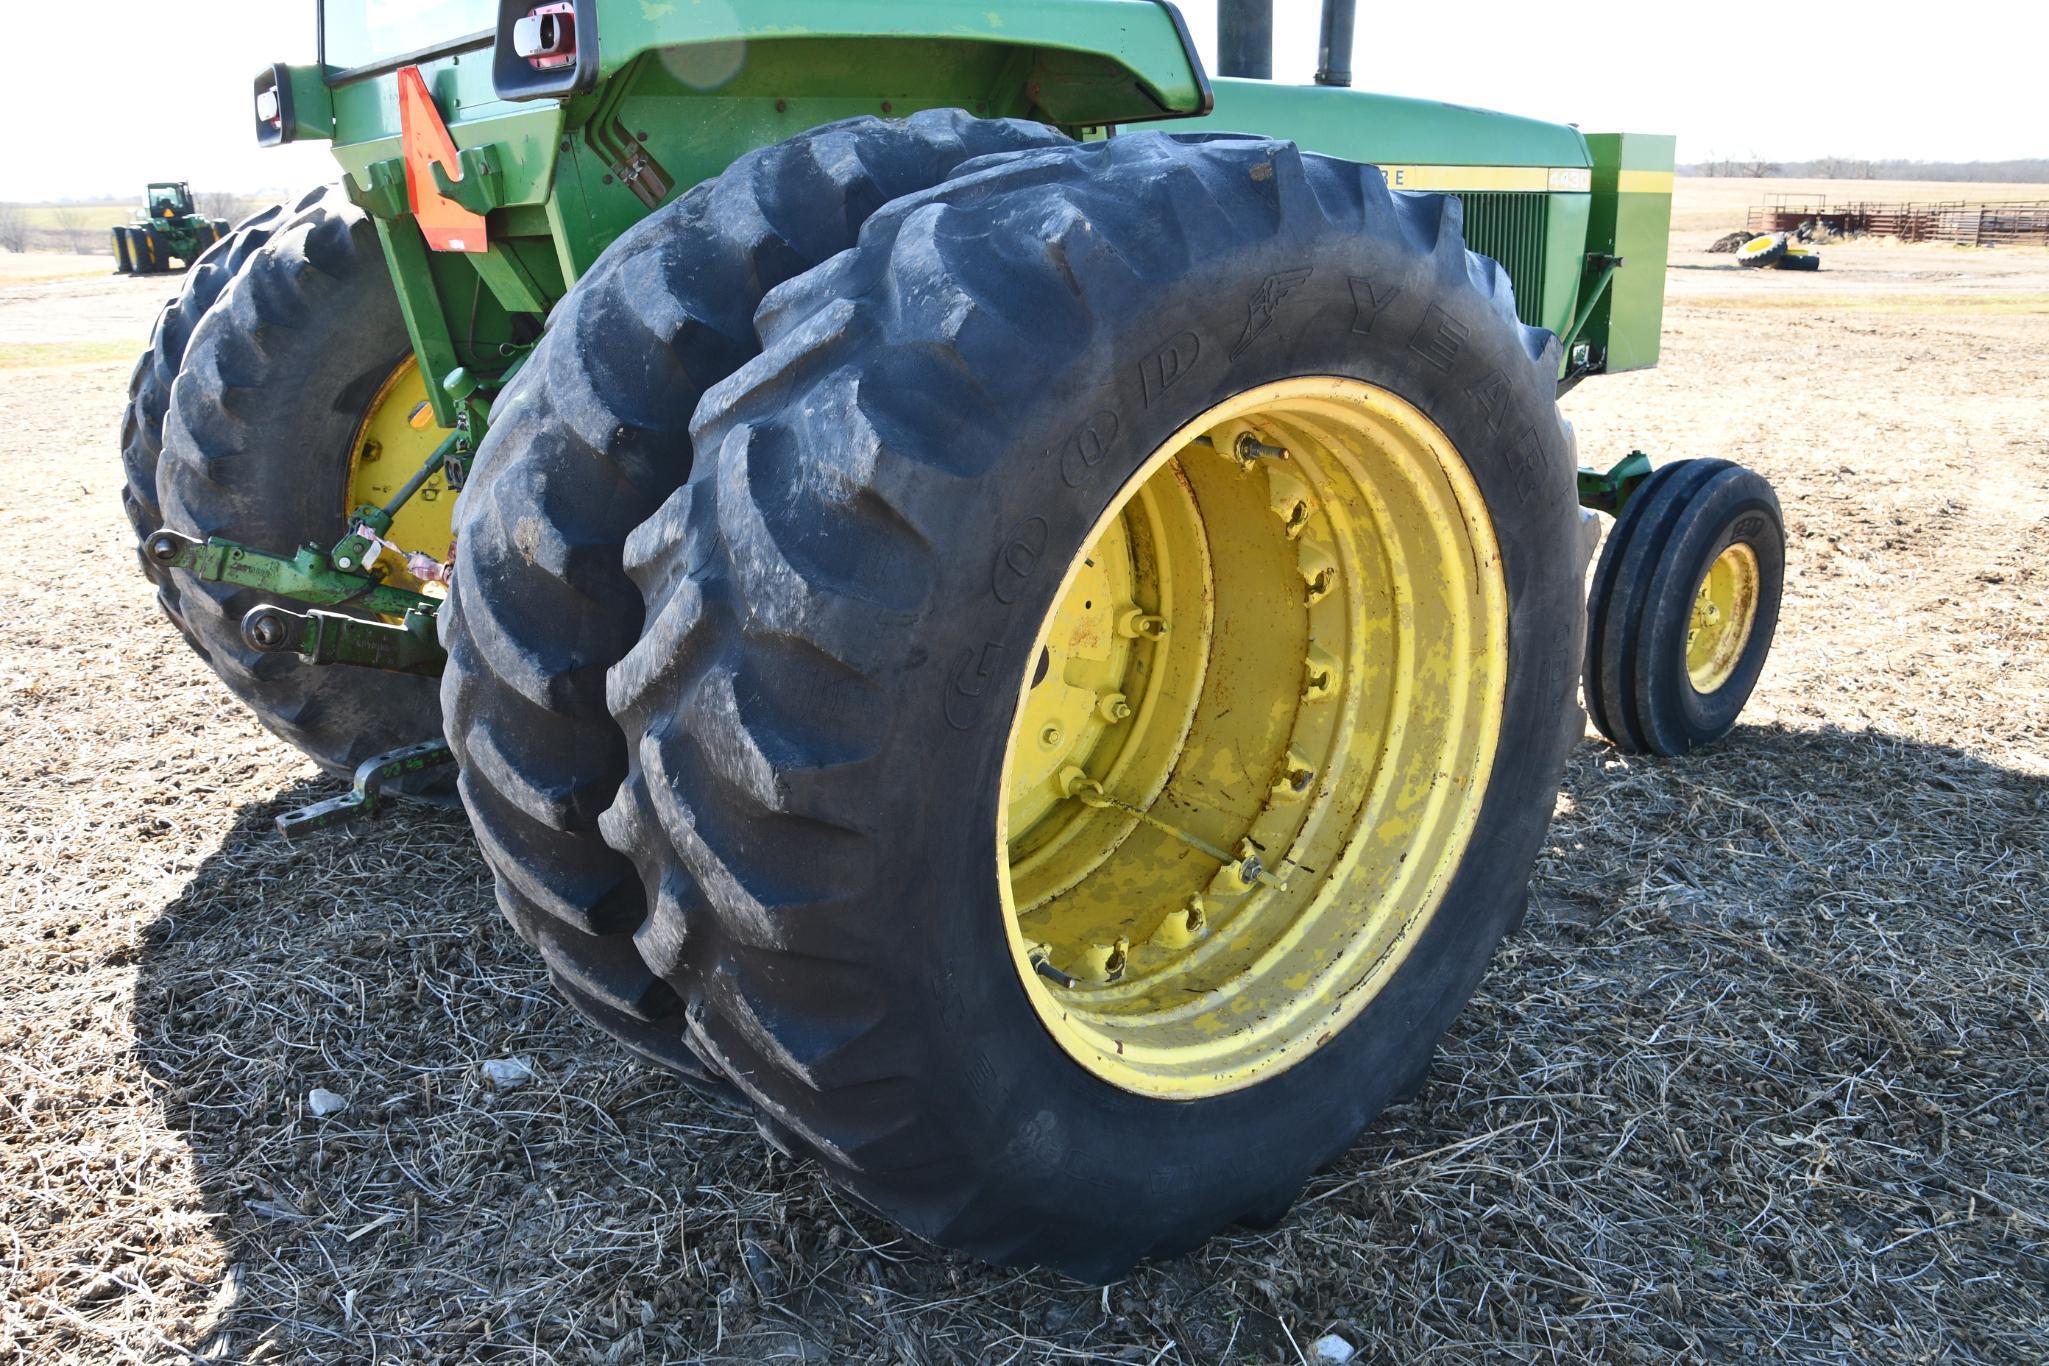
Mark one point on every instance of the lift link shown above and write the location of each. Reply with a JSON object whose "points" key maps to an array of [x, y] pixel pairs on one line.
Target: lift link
{"points": [[470, 396], [307, 577], [336, 638], [366, 797]]}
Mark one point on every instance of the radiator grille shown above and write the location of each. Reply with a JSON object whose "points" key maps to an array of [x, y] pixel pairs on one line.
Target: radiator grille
{"points": [[1510, 226]]}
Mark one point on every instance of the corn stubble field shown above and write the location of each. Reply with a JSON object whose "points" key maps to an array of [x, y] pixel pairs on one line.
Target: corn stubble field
{"points": [[1762, 1076]]}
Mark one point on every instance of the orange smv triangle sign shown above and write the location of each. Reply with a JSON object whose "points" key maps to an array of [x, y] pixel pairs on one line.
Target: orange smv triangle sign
{"points": [[448, 226]]}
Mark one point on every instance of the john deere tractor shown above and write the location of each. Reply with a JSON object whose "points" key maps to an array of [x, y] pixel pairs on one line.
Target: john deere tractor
{"points": [[168, 227], [1013, 605]]}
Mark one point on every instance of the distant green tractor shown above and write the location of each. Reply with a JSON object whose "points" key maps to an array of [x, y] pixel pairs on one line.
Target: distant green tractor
{"points": [[1035, 650], [167, 228]]}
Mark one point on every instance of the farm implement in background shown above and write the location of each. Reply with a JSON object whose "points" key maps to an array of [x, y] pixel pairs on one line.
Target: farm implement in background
{"points": [[1002, 600], [167, 228]]}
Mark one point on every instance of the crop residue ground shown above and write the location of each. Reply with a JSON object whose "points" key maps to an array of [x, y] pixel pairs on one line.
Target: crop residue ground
{"points": [[1763, 1075]]}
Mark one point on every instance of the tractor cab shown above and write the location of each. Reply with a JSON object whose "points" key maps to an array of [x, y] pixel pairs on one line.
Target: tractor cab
{"points": [[170, 199]]}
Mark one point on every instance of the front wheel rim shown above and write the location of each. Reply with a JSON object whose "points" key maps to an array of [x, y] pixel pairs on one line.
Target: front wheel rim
{"points": [[1254, 739], [1724, 615]]}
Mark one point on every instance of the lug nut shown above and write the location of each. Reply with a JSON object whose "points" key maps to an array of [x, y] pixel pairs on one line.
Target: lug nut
{"points": [[1251, 448], [1137, 623]]}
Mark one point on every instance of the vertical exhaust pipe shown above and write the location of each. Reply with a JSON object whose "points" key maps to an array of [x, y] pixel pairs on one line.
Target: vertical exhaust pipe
{"points": [[1334, 50], [1245, 38]]}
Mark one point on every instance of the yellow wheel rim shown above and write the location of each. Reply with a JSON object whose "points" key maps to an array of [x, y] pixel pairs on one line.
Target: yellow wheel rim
{"points": [[1254, 739], [389, 450], [1724, 612]]}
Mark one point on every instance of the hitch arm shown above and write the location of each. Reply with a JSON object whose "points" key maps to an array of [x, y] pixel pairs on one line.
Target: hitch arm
{"points": [[307, 576], [336, 638], [366, 797]]}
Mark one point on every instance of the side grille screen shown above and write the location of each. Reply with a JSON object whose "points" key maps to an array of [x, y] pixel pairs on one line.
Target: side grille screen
{"points": [[1510, 226]]}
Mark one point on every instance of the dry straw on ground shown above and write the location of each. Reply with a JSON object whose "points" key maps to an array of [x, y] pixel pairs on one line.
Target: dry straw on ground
{"points": [[1763, 1075]]}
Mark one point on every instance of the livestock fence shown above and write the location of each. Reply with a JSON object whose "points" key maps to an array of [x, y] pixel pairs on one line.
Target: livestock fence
{"points": [[1997, 223]]}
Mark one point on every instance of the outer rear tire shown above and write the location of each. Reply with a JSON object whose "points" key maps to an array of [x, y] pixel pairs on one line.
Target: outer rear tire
{"points": [[841, 606], [273, 383], [585, 443]]}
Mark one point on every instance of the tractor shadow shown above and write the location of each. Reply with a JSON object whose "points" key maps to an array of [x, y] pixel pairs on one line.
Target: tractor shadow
{"points": [[1814, 885]]}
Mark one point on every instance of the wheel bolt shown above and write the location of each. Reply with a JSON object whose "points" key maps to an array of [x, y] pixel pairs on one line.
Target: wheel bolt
{"points": [[1138, 623]]}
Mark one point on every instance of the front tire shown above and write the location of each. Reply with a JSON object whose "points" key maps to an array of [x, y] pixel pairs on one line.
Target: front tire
{"points": [[1684, 603], [852, 601]]}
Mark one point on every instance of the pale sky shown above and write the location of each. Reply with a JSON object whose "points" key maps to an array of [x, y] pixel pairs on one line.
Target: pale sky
{"points": [[165, 94]]}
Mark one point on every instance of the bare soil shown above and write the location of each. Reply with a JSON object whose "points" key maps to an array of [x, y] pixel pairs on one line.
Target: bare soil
{"points": [[1762, 1076]]}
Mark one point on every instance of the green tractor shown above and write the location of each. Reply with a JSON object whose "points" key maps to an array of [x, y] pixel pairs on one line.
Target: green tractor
{"points": [[1016, 607], [168, 227]]}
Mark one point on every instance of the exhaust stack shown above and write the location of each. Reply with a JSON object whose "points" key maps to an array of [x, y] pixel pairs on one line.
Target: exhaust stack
{"points": [[1245, 38], [1334, 49]]}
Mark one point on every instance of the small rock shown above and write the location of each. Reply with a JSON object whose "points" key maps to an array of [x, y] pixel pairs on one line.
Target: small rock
{"points": [[1331, 1350], [506, 1074], [322, 1102]]}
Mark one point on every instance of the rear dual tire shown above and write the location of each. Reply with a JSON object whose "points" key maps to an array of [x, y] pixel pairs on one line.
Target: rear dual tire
{"points": [[839, 605], [584, 445]]}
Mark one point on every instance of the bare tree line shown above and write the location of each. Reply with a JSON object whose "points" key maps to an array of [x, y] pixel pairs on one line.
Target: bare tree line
{"points": [[14, 228], [2027, 170]]}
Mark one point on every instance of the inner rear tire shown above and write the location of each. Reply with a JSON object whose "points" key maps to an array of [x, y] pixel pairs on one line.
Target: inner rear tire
{"points": [[585, 443], [842, 608]]}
